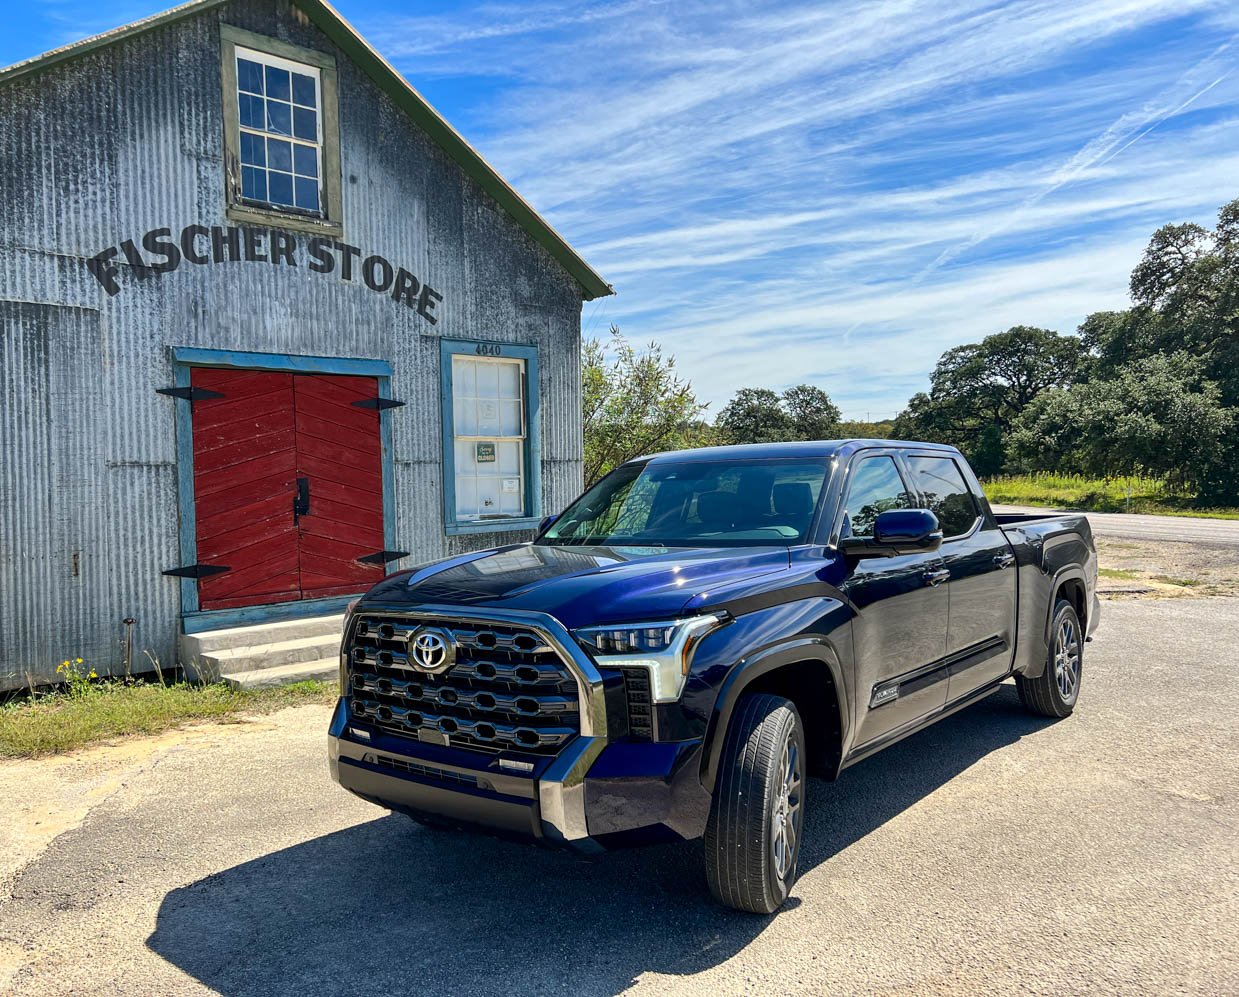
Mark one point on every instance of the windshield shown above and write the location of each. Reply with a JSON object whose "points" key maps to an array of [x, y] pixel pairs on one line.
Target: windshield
{"points": [[697, 503]]}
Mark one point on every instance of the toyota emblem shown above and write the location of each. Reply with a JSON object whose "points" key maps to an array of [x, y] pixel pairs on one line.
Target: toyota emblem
{"points": [[432, 650]]}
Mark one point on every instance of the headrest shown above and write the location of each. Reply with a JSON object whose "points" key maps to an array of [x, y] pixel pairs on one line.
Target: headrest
{"points": [[715, 508], [793, 498]]}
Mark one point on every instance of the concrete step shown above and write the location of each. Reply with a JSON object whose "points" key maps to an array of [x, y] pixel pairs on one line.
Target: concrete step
{"points": [[324, 669], [211, 641], [274, 655]]}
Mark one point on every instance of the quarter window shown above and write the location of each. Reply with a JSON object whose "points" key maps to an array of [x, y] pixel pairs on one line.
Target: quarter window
{"points": [[876, 487], [946, 494], [279, 117], [490, 436]]}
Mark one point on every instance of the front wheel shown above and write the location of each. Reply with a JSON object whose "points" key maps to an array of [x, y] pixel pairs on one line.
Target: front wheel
{"points": [[1055, 691], [752, 841]]}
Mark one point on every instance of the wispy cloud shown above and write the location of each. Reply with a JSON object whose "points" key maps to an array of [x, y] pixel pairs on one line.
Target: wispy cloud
{"points": [[841, 191], [787, 189]]}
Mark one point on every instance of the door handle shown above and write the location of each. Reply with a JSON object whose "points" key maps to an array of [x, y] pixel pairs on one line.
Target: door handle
{"points": [[301, 504], [1004, 560], [936, 577]]}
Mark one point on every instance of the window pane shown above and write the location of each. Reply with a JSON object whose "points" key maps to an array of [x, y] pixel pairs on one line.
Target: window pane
{"points": [[277, 84], [305, 160], [249, 76], [303, 90], [946, 494], [280, 155], [466, 497], [509, 457], [464, 416], [509, 380], [253, 150], [488, 416], [253, 183], [464, 377], [307, 193], [305, 124], [280, 188], [876, 487], [510, 418], [253, 114], [279, 118]]}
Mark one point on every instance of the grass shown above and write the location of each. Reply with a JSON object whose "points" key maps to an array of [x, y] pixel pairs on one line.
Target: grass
{"points": [[88, 713], [1074, 491]]}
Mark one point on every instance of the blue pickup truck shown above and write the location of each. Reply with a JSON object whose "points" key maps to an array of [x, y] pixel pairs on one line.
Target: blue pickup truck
{"points": [[674, 654]]}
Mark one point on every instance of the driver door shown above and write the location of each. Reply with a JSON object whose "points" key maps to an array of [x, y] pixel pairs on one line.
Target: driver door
{"points": [[900, 624]]}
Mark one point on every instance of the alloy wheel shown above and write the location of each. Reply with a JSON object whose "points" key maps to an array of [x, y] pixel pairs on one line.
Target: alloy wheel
{"points": [[788, 810]]}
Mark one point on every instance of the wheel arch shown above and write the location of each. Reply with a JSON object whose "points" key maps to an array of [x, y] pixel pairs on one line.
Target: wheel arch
{"points": [[806, 671]]}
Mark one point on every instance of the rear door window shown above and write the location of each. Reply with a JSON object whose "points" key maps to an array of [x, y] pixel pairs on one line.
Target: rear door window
{"points": [[946, 494]]}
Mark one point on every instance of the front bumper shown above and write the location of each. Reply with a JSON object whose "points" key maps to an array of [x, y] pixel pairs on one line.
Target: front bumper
{"points": [[591, 795]]}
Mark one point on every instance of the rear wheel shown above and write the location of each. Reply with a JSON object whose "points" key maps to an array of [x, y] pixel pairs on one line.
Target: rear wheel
{"points": [[752, 841], [1055, 691]]}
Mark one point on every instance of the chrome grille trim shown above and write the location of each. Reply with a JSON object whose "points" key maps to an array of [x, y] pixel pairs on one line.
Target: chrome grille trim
{"points": [[561, 788]]}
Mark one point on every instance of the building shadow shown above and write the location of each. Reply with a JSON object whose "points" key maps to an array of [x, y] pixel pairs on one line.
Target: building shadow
{"points": [[390, 907]]}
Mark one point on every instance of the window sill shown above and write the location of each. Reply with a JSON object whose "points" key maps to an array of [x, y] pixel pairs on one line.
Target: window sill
{"points": [[493, 526], [279, 219]]}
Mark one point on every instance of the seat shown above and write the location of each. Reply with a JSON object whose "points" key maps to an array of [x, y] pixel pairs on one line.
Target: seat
{"points": [[793, 504], [715, 509]]}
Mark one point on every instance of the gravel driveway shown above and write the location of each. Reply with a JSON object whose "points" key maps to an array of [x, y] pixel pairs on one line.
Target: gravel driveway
{"points": [[994, 851]]}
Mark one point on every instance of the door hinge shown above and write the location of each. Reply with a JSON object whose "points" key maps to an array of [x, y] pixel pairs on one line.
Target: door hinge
{"points": [[190, 394], [378, 403], [383, 556], [197, 570]]}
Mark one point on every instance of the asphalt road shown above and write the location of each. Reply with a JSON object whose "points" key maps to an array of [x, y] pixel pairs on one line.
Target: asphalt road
{"points": [[1117, 525], [995, 851]]}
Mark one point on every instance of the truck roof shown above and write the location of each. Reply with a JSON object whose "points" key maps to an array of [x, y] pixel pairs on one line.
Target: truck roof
{"points": [[797, 448]]}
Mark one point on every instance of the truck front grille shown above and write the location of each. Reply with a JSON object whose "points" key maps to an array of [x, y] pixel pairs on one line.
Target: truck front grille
{"points": [[508, 690]]}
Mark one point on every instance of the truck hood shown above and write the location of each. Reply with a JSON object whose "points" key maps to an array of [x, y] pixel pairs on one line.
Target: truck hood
{"points": [[580, 585]]}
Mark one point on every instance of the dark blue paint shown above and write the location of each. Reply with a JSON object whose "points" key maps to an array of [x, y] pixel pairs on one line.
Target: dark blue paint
{"points": [[845, 621]]}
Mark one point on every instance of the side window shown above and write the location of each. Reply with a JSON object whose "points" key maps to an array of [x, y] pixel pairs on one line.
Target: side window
{"points": [[876, 487], [946, 493]]}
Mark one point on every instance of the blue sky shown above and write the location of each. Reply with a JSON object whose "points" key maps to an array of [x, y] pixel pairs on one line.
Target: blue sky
{"points": [[822, 192]]}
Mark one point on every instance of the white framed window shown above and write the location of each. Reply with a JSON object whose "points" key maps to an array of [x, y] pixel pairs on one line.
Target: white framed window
{"points": [[489, 437], [281, 133], [279, 121]]}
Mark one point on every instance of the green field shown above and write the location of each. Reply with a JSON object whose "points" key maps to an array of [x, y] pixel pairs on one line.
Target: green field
{"points": [[1074, 491], [88, 712]]}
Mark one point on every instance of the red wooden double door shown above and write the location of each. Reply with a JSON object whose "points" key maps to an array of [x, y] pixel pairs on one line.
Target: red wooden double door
{"points": [[288, 485]]}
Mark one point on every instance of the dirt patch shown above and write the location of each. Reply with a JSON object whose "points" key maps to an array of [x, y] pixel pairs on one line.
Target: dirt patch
{"points": [[1133, 569]]}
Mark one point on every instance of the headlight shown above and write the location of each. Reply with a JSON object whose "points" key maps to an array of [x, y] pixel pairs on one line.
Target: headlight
{"points": [[663, 649]]}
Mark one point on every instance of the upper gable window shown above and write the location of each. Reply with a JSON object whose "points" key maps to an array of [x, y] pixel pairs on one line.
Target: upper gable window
{"points": [[279, 113], [281, 133]]}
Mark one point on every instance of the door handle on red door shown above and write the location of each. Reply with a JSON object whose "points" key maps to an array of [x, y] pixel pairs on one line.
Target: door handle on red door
{"points": [[301, 504], [937, 577], [1004, 560]]}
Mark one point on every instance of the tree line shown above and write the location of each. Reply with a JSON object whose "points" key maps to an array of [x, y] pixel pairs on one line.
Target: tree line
{"points": [[1152, 389]]}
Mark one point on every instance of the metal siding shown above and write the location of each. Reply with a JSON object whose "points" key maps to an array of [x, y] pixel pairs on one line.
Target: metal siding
{"points": [[127, 139]]}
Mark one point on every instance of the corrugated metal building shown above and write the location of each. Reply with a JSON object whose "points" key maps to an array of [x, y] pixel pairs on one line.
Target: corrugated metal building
{"points": [[233, 239]]}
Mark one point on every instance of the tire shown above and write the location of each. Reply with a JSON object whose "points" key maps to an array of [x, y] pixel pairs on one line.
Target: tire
{"points": [[1056, 690], [752, 840]]}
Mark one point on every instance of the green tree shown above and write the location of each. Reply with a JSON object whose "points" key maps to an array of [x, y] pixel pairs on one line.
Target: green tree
{"points": [[633, 403], [978, 390], [759, 415], [1159, 415]]}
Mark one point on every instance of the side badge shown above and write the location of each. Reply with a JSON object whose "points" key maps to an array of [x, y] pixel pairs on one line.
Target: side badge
{"points": [[886, 694]]}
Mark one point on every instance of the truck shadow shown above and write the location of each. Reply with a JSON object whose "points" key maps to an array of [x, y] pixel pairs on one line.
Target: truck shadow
{"points": [[388, 907]]}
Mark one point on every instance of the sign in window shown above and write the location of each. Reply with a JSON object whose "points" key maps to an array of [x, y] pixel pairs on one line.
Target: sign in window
{"points": [[490, 437]]}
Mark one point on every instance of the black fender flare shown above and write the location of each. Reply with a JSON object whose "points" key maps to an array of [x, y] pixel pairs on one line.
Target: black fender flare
{"points": [[753, 667], [1067, 573]]}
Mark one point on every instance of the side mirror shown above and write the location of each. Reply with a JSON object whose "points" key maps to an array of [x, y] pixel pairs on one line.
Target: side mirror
{"points": [[898, 531], [546, 522]]}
